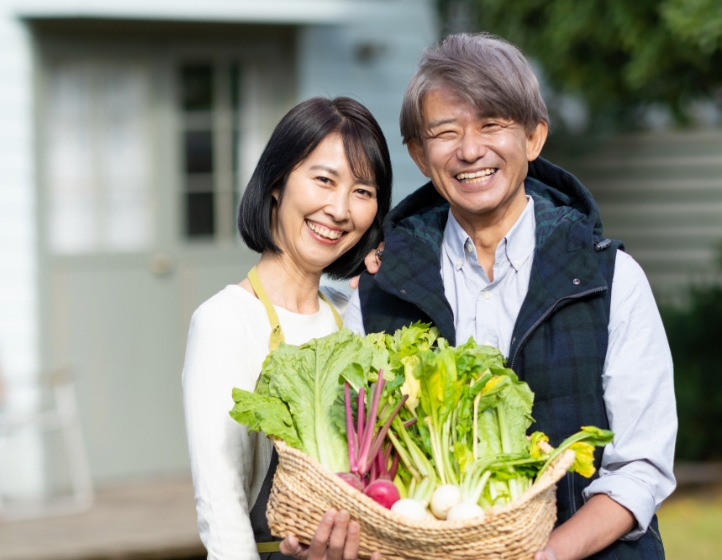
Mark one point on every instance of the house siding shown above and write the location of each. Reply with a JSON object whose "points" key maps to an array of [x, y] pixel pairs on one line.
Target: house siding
{"points": [[330, 34], [661, 193], [19, 322]]}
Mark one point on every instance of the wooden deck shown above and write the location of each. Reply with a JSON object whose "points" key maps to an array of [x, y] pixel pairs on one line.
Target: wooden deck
{"points": [[153, 520]]}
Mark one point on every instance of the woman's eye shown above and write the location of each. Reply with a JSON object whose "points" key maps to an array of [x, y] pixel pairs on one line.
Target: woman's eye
{"points": [[366, 193], [324, 180]]}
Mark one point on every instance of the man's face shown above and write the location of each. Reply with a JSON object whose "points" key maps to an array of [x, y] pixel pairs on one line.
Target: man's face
{"points": [[476, 163]]}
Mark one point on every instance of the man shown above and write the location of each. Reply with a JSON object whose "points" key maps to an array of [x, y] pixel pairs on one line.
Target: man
{"points": [[508, 248]]}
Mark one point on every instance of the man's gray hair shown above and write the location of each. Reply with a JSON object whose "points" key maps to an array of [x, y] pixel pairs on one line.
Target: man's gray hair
{"points": [[488, 72]]}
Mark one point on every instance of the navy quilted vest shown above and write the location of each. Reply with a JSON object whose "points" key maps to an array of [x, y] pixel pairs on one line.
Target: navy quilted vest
{"points": [[559, 341]]}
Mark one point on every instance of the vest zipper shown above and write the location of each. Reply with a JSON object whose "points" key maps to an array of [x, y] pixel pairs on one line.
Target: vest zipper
{"points": [[543, 318]]}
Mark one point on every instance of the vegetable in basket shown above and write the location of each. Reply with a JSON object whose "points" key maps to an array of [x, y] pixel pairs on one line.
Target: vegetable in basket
{"points": [[408, 416]]}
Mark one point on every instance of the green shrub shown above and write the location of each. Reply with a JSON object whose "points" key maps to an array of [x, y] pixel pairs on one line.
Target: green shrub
{"points": [[695, 337]]}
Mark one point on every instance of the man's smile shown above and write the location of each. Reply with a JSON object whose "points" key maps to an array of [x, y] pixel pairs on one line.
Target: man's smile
{"points": [[476, 176]]}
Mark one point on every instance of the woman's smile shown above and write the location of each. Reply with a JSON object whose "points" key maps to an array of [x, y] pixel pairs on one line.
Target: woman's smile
{"points": [[325, 234]]}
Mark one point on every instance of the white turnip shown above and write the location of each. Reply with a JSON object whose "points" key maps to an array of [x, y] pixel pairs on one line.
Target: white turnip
{"points": [[463, 511], [443, 499], [410, 509]]}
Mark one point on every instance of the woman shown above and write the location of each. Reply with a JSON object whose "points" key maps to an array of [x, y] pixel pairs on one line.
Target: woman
{"points": [[314, 205]]}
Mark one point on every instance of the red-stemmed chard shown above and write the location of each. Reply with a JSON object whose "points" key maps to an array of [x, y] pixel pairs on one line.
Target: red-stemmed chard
{"points": [[369, 460]]}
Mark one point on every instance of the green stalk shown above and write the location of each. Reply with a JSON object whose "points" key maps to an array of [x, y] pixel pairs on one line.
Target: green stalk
{"points": [[475, 443], [436, 451], [595, 436], [417, 457], [446, 453], [404, 456]]}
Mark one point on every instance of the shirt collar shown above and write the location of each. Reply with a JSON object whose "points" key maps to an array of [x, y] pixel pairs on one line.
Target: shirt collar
{"points": [[517, 245]]}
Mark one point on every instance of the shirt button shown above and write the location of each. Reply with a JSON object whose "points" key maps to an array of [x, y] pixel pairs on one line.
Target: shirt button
{"points": [[487, 294], [459, 262], [469, 247], [517, 262]]}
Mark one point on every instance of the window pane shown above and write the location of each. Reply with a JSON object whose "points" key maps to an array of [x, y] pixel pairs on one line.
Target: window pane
{"points": [[96, 137], [199, 152], [199, 214], [197, 87]]}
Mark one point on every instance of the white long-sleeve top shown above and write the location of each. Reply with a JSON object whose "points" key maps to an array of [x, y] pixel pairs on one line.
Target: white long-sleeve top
{"points": [[636, 468], [227, 343]]}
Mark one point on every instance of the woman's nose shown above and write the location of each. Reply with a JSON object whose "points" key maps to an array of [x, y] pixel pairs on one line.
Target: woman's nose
{"points": [[337, 205]]}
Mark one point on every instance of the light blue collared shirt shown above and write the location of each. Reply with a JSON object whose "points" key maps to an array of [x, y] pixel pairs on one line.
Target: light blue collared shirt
{"points": [[636, 468], [482, 309]]}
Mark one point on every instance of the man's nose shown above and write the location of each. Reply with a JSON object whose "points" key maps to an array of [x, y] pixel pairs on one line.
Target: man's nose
{"points": [[471, 148]]}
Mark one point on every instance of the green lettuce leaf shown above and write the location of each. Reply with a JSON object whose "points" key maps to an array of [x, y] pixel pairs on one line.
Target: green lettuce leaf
{"points": [[266, 414], [309, 379]]}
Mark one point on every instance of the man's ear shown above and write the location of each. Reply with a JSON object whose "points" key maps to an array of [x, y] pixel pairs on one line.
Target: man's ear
{"points": [[416, 151], [535, 140]]}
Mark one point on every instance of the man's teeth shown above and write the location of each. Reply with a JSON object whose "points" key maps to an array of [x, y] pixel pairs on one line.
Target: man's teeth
{"points": [[324, 231], [469, 177]]}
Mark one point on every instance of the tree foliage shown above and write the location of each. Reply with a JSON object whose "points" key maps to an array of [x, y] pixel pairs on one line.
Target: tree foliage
{"points": [[619, 55]]}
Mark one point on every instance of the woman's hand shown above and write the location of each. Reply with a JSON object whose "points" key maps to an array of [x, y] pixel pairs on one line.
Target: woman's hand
{"points": [[546, 554], [372, 262], [337, 538]]}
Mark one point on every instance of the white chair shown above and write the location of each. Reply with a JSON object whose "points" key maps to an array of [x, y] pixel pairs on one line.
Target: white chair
{"points": [[61, 416]]}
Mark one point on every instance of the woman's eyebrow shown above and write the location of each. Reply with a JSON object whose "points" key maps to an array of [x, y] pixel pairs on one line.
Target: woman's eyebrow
{"points": [[329, 170]]}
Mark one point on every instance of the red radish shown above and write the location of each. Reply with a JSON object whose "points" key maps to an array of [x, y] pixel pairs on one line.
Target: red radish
{"points": [[352, 480], [383, 492]]}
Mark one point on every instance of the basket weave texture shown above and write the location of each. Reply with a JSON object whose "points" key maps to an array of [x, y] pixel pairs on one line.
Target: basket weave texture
{"points": [[303, 490]]}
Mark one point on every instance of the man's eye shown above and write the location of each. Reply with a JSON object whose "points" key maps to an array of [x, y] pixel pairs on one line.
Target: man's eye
{"points": [[324, 180]]}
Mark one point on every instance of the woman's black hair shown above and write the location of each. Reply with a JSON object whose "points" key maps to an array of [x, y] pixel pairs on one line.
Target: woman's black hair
{"points": [[294, 138]]}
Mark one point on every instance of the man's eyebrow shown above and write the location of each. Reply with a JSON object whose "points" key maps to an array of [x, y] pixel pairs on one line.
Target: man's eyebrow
{"points": [[434, 124]]}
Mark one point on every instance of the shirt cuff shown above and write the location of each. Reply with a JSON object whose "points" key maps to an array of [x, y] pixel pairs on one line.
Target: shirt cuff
{"points": [[630, 493]]}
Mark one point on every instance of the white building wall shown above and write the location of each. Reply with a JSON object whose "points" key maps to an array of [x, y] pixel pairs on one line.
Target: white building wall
{"points": [[20, 461], [331, 63], [332, 38]]}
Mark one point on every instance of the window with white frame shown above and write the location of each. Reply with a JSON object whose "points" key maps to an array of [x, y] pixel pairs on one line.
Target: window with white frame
{"points": [[97, 147], [210, 103]]}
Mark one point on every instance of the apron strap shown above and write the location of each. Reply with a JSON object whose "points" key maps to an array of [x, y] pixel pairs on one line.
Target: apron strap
{"points": [[276, 332], [274, 343], [339, 321], [272, 546]]}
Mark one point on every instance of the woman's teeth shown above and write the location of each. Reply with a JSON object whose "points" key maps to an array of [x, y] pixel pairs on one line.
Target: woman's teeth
{"points": [[476, 177], [324, 231]]}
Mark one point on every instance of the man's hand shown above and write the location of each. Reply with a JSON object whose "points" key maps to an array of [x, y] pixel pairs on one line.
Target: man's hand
{"points": [[372, 262], [337, 538], [597, 524]]}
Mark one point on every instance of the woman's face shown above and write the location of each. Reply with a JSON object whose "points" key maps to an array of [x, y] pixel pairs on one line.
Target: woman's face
{"points": [[325, 210]]}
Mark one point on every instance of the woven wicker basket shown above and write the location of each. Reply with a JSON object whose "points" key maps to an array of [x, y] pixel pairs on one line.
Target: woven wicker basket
{"points": [[303, 490]]}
